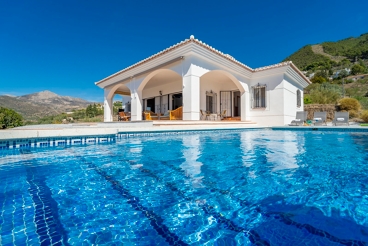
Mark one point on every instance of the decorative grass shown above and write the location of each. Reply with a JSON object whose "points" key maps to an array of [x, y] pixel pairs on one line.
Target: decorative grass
{"points": [[365, 124]]}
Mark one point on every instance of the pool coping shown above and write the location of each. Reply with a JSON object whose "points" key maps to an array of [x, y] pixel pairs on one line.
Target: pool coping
{"points": [[81, 135], [105, 129], [322, 128]]}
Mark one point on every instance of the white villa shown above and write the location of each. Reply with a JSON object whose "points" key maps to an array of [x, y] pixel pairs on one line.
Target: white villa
{"points": [[198, 77]]}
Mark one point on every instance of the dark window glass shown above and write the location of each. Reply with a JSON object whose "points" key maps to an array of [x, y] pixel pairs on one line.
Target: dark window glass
{"points": [[259, 97]]}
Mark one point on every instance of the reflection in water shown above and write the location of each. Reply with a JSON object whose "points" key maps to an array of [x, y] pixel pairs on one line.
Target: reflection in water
{"points": [[136, 146], [281, 153], [247, 146], [191, 153]]}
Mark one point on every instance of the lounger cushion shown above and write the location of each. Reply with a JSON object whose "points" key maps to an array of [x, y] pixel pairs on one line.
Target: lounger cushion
{"points": [[317, 119], [340, 119], [296, 120]]}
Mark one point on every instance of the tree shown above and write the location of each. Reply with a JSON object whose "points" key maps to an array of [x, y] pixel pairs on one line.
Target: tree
{"points": [[343, 74], [91, 111], [94, 109], [357, 69], [362, 64], [9, 118], [322, 73], [345, 63], [318, 79], [118, 104]]}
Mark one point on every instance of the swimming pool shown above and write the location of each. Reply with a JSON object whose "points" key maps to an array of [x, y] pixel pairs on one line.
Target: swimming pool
{"points": [[239, 187]]}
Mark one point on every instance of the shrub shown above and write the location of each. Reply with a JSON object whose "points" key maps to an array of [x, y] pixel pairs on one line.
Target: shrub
{"points": [[364, 102], [353, 114], [349, 104], [357, 69], [9, 118], [364, 116], [307, 99], [325, 93]]}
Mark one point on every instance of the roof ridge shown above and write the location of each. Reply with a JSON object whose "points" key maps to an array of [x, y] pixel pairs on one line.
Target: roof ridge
{"points": [[281, 64], [191, 39], [227, 56], [199, 42]]}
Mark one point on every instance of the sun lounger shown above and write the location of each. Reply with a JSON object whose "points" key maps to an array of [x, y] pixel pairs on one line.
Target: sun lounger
{"points": [[341, 118], [301, 117], [319, 118]]}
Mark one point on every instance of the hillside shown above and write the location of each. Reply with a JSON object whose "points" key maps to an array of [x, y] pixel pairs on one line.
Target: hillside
{"points": [[44, 103], [331, 52], [305, 57]]}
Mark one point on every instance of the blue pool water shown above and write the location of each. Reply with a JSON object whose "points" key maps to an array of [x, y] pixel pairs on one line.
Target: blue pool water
{"points": [[253, 187]]}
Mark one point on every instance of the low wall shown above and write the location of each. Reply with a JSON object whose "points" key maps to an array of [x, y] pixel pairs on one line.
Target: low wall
{"points": [[329, 108]]}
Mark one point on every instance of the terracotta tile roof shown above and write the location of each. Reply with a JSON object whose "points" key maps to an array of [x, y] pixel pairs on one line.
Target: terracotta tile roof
{"points": [[287, 63], [175, 46], [227, 56], [204, 45], [273, 66]]}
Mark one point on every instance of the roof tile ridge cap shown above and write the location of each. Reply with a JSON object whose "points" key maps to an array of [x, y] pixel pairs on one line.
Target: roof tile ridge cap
{"points": [[163, 51], [144, 60], [222, 54], [281, 64]]}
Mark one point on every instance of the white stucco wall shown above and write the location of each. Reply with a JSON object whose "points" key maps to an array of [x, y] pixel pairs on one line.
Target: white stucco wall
{"points": [[273, 113], [216, 87], [237, 82], [193, 81], [290, 97], [281, 104], [169, 88]]}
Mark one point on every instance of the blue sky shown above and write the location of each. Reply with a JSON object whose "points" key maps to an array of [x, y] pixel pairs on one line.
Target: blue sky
{"points": [[65, 46]]}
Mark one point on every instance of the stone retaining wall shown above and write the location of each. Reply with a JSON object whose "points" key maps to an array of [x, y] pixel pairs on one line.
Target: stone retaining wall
{"points": [[329, 108]]}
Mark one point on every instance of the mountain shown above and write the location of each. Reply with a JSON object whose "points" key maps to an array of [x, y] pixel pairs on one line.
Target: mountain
{"points": [[331, 52], [37, 105]]}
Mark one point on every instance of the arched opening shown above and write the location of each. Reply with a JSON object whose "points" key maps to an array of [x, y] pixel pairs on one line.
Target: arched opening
{"points": [[221, 92], [117, 99], [161, 92]]}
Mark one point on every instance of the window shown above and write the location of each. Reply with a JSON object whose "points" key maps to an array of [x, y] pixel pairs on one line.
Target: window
{"points": [[259, 96], [298, 99], [211, 102]]}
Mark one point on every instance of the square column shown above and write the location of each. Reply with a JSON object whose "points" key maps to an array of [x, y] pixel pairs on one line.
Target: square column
{"points": [[243, 107], [191, 102], [136, 105], [108, 108]]}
